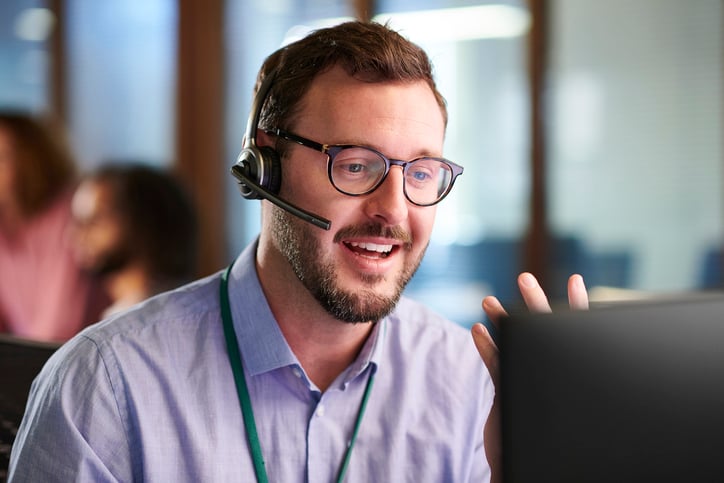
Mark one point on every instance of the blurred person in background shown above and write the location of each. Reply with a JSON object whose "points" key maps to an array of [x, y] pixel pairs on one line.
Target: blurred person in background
{"points": [[43, 294], [135, 228]]}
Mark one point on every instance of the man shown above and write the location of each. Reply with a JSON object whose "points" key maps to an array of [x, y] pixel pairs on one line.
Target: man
{"points": [[329, 374], [134, 227]]}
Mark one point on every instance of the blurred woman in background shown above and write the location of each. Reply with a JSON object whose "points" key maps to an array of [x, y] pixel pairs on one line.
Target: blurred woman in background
{"points": [[43, 293]]}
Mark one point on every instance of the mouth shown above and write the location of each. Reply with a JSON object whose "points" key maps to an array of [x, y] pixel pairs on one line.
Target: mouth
{"points": [[374, 246], [371, 250]]}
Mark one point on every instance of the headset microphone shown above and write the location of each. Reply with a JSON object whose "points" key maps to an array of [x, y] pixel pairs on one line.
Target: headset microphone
{"points": [[245, 182], [258, 169]]}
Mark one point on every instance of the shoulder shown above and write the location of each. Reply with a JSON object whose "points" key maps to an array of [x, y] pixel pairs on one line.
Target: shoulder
{"points": [[133, 370], [183, 308], [172, 324]]}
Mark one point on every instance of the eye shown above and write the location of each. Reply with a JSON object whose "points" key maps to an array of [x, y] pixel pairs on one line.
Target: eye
{"points": [[420, 174], [357, 163], [353, 168]]}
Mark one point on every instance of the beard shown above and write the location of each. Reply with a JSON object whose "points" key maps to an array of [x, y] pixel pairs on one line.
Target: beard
{"points": [[295, 240]]}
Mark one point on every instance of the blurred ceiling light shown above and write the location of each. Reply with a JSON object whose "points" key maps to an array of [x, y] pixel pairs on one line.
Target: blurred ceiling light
{"points": [[34, 24], [446, 24], [463, 23], [298, 32]]}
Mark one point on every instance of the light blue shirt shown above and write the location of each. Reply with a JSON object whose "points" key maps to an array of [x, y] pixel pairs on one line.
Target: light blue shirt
{"points": [[149, 396]]}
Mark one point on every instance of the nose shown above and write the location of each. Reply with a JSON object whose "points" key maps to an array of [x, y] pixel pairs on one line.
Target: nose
{"points": [[387, 204]]}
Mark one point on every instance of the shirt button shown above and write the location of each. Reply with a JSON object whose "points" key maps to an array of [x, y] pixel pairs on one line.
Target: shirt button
{"points": [[320, 410], [297, 372]]}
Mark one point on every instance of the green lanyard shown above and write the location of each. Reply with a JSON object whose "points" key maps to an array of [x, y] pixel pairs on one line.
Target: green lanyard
{"points": [[232, 346]]}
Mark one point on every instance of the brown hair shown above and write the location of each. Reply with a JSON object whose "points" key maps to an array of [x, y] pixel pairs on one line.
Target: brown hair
{"points": [[368, 51], [43, 164]]}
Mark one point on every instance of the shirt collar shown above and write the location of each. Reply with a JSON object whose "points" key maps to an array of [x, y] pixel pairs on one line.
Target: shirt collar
{"points": [[261, 342], [371, 353]]}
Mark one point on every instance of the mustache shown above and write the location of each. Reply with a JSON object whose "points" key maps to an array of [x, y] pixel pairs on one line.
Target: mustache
{"points": [[372, 229]]}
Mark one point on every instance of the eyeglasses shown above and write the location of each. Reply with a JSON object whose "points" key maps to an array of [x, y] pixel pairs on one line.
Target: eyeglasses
{"points": [[359, 170]]}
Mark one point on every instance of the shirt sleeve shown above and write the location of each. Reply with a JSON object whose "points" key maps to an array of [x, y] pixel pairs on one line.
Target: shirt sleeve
{"points": [[72, 429]]}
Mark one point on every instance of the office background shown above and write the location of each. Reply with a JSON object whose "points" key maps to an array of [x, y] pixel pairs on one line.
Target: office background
{"points": [[591, 132]]}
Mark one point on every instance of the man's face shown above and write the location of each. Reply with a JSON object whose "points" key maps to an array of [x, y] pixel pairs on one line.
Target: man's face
{"points": [[98, 233], [358, 269]]}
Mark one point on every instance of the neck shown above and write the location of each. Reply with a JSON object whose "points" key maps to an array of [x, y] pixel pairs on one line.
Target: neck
{"points": [[324, 345], [324, 353], [129, 286]]}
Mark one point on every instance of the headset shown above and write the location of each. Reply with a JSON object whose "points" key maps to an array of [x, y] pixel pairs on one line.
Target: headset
{"points": [[258, 169]]}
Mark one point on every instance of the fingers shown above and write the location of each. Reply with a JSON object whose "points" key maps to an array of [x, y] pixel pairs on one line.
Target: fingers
{"points": [[577, 294], [484, 341], [532, 293], [487, 349], [493, 309]]}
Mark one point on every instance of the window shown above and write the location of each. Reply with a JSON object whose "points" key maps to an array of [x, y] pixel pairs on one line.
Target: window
{"points": [[635, 158], [121, 69], [24, 59]]}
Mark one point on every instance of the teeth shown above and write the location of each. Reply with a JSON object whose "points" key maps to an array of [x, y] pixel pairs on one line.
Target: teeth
{"points": [[373, 247]]}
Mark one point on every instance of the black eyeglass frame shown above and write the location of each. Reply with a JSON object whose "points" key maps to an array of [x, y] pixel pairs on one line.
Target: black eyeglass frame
{"points": [[331, 150]]}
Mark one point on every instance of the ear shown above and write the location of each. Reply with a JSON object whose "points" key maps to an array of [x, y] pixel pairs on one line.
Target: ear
{"points": [[264, 139]]}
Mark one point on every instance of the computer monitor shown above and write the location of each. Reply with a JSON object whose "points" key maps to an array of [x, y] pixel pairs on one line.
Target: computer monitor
{"points": [[631, 392], [20, 361]]}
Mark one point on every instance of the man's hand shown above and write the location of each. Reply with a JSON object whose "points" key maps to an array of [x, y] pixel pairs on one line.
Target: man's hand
{"points": [[536, 300]]}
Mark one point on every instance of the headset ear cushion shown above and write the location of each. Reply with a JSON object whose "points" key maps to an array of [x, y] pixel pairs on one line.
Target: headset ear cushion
{"points": [[271, 169], [248, 162]]}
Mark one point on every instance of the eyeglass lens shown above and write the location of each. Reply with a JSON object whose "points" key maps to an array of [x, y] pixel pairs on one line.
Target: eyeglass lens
{"points": [[357, 170]]}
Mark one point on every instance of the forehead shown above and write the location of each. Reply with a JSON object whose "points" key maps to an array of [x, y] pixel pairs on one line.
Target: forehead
{"points": [[348, 110]]}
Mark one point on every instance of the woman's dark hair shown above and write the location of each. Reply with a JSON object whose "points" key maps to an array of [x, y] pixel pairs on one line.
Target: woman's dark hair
{"points": [[159, 218]]}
